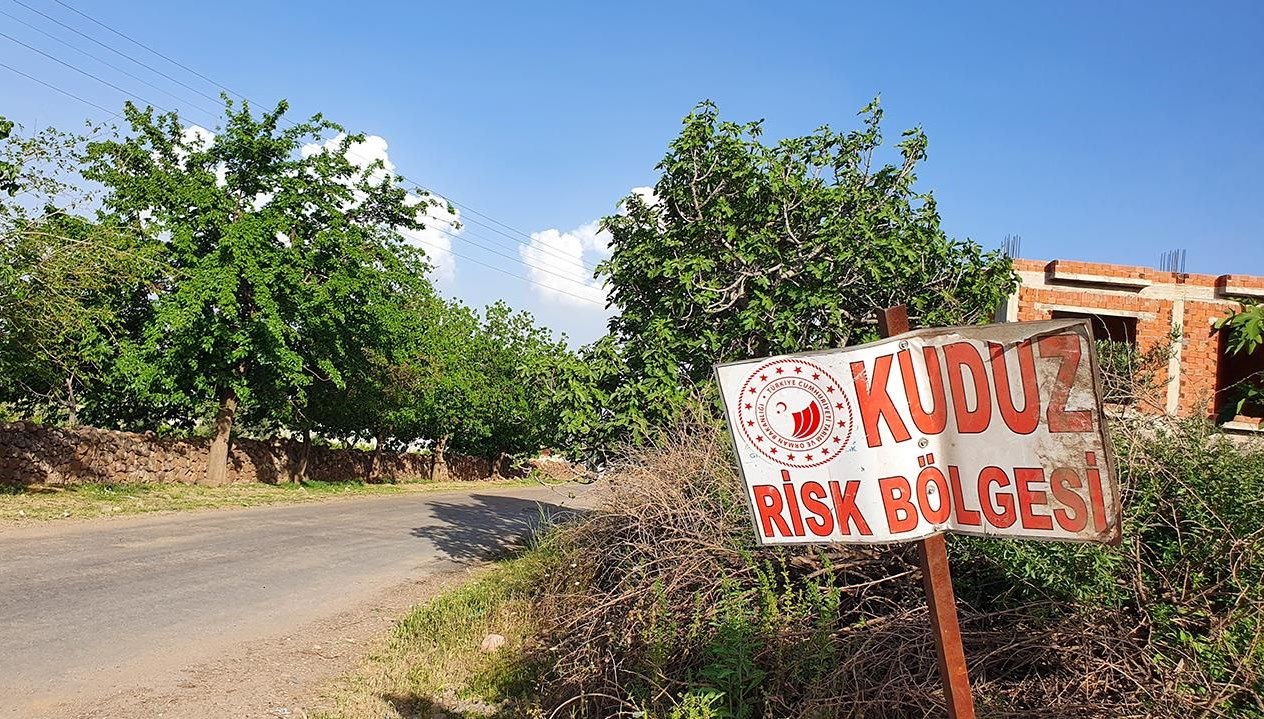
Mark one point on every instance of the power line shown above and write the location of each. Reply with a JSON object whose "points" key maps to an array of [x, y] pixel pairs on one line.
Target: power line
{"points": [[99, 128], [186, 68], [130, 94], [351, 153], [454, 236], [113, 50], [107, 63], [502, 270], [85, 73], [591, 270], [58, 89], [416, 185], [530, 240], [449, 234], [494, 251], [145, 47], [472, 211]]}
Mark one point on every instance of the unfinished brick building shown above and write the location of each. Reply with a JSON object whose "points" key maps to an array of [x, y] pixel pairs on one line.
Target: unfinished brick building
{"points": [[1145, 306]]}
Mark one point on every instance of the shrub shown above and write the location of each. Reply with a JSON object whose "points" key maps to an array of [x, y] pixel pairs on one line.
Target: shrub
{"points": [[665, 602], [1131, 377], [1244, 332]]}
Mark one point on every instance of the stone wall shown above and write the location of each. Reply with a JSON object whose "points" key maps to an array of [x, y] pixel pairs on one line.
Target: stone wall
{"points": [[31, 453]]}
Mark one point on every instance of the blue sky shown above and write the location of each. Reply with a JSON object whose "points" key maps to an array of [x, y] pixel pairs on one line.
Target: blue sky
{"points": [[1097, 131]]}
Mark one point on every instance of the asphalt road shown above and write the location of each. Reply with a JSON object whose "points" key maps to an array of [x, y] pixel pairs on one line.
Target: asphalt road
{"points": [[90, 609]]}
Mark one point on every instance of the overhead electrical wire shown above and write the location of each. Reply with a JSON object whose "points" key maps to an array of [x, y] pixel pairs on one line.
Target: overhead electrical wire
{"points": [[107, 63], [447, 233], [518, 235], [120, 53], [502, 270], [85, 73], [495, 251], [50, 86], [421, 240], [139, 44]]}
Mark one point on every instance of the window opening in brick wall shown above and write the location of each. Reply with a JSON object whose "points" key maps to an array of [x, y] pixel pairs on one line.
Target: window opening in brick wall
{"points": [[1127, 378], [1233, 373], [1105, 327]]}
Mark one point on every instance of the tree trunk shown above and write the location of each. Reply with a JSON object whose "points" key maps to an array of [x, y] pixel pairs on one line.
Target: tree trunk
{"points": [[438, 466], [72, 405], [375, 465], [304, 457], [217, 461], [501, 470]]}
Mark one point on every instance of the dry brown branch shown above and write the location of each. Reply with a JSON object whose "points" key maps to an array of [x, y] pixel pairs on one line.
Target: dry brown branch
{"points": [[652, 587]]}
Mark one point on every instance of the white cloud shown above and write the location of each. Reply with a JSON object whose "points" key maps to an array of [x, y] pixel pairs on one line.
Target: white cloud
{"points": [[195, 137], [436, 238], [646, 194], [198, 138], [561, 263], [362, 154], [440, 222]]}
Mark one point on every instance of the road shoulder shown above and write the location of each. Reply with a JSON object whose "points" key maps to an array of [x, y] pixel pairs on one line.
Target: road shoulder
{"points": [[56, 507]]}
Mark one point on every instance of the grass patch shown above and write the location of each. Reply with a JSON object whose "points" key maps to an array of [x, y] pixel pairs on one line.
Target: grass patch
{"points": [[431, 664], [39, 503]]}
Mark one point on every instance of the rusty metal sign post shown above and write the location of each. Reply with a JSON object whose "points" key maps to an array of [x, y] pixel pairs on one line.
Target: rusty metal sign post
{"points": [[992, 431], [932, 554]]}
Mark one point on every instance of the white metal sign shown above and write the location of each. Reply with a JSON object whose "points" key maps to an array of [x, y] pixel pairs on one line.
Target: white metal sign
{"points": [[992, 430]]}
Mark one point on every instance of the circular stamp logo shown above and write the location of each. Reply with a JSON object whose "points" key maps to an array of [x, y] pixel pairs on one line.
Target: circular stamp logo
{"points": [[794, 413]]}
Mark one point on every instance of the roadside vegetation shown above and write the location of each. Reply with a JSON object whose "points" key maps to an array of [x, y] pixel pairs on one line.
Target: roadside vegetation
{"points": [[433, 662], [1245, 334], [259, 280], [747, 249], [41, 503], [659, 604]]}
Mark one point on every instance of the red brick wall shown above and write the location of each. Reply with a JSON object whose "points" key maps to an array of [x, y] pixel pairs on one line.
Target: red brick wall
{"points": [[1094, 268], [1203, 296], [1199, 358], [1247, 281]]}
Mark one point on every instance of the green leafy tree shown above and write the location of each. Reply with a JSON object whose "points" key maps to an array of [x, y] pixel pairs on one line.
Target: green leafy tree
{"points": [[434, 384], [76, 305], [749, 249], [583, 390], [72, 291], [8, 170], [376, 399], [475, 385], [514, 359], [273, 256], [1245, 328]]}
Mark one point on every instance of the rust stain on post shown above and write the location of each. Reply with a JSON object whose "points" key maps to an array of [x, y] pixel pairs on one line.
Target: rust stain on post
{"points": [[893, 321], [941, 602], [937, 580]]}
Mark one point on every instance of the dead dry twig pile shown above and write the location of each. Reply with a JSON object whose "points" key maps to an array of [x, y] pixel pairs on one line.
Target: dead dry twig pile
{"points": [[661, 601]]}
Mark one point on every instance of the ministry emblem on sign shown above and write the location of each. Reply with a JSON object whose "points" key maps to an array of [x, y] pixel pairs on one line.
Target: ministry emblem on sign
{"points": [[794, 413]]}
